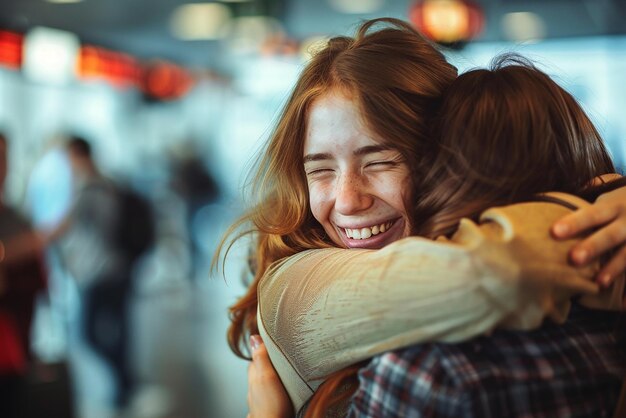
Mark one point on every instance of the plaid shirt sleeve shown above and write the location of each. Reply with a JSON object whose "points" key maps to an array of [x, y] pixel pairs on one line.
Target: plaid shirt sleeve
{"points": [[570, 370], [406, 383]]}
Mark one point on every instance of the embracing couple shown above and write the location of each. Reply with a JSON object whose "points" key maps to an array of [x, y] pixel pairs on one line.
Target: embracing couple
{"points": [[432, 244]]}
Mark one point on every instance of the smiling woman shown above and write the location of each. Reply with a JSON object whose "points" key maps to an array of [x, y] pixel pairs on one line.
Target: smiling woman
{"points": [[357, 184], [386, 82]]}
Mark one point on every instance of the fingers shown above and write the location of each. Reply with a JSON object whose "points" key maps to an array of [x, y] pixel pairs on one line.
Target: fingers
{"points": [[615, 267], [264, 370], [259, 352], [266, 395], [584, 219], [606, 239]]}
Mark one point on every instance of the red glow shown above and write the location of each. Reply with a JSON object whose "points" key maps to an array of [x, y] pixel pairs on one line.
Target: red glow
{"points": [[11, 49], [166, 81], [118, 69], [159, 80]]}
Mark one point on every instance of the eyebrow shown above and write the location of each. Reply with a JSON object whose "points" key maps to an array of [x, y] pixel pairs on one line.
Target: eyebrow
{"points": [[316, 157], [369, 149]]}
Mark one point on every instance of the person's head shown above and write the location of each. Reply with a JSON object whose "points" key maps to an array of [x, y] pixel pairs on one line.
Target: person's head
{"points": [[506, 134], [370, 95], [80, 155], [360, 112]]}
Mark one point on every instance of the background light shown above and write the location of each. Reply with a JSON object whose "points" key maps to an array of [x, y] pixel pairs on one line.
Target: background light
{"points": [[50, 55], [246, 34], [357, 6], [11, 49], [448, 21], [523, 27], [201, 21]]}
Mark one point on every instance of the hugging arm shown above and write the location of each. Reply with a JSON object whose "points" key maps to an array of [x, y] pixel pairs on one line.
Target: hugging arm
{"points": [[322, 310]]}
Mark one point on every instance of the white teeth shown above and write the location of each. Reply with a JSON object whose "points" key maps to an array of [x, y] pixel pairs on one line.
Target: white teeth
{"points": [[365, 233]]}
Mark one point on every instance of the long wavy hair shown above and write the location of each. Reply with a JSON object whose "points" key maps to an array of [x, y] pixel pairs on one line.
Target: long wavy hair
{"points": [[396, 77]]}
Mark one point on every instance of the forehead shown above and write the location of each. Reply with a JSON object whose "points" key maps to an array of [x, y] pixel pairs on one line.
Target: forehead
{"points": [[335, 121]]}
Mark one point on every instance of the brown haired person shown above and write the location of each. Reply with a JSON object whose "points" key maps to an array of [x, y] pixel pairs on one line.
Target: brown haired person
{"points": [[357, 126]]}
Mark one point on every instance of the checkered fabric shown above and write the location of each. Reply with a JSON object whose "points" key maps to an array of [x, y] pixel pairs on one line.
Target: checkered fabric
{"points": [[572, 370]]}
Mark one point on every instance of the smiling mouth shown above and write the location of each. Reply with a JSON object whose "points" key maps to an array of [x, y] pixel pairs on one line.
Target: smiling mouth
{"points": [[368, 232]]}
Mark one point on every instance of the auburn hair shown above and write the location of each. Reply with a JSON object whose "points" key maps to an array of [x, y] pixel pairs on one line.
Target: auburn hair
{"points": [[396, 77]]}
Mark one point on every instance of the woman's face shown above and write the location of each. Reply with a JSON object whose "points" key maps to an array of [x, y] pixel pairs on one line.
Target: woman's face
{"points": [[356, 185]]}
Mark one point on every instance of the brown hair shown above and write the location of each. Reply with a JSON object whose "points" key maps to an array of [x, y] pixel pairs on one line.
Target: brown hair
{"points": [[79, 146], [505, 134], [396, 78]]}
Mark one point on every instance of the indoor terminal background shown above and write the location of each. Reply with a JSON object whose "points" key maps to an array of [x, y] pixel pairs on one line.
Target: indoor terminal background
{"points": [[176, 99]]}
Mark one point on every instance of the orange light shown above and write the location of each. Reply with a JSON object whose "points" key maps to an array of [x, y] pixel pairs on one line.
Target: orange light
{"points": [[116, 68], [447, 21], [166, 81]]}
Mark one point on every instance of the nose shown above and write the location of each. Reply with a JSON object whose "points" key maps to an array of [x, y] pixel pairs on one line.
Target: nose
{"points": [[352, 195]]}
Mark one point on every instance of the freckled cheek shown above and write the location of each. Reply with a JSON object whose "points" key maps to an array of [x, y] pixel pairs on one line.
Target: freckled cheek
{"points": [[394, 190], [320, 199]]}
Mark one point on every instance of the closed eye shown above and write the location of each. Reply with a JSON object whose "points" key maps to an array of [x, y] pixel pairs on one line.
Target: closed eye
{"points": [[318, 171], [385, 163]]}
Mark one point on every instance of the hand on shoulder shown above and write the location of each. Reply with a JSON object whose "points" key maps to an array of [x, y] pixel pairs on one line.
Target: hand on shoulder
{"points": [[607, 219]]}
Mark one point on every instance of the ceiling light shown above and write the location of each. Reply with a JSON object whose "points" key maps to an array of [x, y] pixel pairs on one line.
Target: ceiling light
{"points": [[448, 22], [247, 33], [357, 7], [523, 27], [50, 55], [200, 21]]}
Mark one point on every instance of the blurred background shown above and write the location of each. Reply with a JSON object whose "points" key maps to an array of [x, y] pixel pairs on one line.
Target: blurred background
{"points": [[175, 99]]}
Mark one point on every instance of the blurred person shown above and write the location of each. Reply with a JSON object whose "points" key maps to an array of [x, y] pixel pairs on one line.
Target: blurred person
{"points": [[376, 138], [93, 254], [22, 278], [196, 186]]}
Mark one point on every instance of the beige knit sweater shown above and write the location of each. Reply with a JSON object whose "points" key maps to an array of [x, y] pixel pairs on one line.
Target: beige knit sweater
{"points": [[322, 310]]}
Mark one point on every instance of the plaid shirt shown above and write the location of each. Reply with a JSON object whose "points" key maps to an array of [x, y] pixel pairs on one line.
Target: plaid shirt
{"points": [[572, 370]]}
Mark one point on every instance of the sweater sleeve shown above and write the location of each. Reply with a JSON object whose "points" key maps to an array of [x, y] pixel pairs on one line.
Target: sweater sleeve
{"points": [[323, 310]]}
